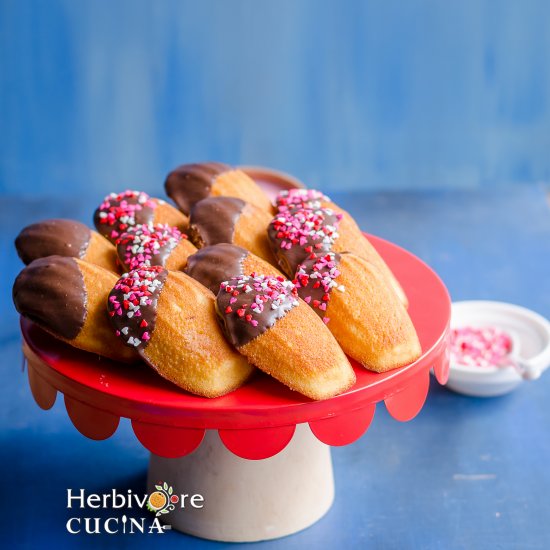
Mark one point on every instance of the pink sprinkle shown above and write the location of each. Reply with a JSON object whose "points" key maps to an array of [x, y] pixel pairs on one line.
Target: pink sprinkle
{"points": [[147, 244], [132, 290], [305, 228], [299, 198], [254, 291], [480, 346]]}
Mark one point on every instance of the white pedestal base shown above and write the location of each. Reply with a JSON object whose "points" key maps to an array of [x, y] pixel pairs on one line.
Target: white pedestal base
{"points": [[248, 500]]}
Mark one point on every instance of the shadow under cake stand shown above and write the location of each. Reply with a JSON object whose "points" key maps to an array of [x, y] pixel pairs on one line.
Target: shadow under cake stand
{"points": [[259, 456]]}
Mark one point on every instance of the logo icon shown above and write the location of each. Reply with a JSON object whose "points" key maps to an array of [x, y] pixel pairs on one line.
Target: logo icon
{"points": [[162, 500]]}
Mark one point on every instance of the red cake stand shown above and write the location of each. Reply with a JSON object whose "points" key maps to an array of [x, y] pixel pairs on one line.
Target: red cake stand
{"points": [[260, 456]]}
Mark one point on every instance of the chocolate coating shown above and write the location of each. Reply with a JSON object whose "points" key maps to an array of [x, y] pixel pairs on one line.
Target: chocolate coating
{"points": [[133, 305], [53, 237], [214, 264], [305, 240], [50, 292], [237, 328], [190, 183], [147, 245], [122, 211], [213, 220], [321, 271]]}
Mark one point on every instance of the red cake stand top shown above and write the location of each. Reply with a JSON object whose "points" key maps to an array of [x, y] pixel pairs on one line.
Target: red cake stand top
{"points": [[257, 420]]}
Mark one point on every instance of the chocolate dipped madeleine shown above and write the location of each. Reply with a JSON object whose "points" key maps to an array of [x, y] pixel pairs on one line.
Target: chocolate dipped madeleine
{"points": [[264, 319], [190, 183], [169, 319], [120, 211], [350, 237], [66, 297], [360, 309], [215, 264], [150, 244], [61, 237], [230, 220]]}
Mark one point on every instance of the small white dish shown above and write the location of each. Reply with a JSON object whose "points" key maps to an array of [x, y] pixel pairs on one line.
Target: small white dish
{"points": [[530, 333]]}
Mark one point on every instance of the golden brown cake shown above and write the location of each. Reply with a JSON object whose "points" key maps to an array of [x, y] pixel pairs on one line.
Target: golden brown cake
{"points": [[61, 237], [67, 297], [360, 309], [349, 237], [169, 319], [264, 319], [229, 220], [190, 183]]}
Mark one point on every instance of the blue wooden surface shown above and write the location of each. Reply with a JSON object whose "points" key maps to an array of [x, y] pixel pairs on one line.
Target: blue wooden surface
{"points": [[466, 473], [368, 95]]}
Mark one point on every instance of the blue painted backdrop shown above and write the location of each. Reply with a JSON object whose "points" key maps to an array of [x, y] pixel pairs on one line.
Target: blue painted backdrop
{"points": [[392, 94]]}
